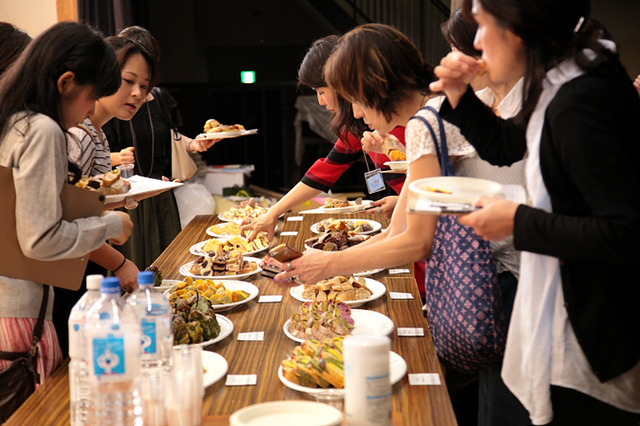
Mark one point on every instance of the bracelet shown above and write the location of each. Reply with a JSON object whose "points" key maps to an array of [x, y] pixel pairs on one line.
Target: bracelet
{"points": [[124, 259]]}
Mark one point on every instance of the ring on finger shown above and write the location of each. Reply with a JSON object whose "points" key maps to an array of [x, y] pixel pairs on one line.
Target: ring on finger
{"points": [[289, 267], [378, 210]]}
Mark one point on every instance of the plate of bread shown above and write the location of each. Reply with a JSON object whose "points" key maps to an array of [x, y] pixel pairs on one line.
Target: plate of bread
{"points": [[354, 291], [220, 245]]}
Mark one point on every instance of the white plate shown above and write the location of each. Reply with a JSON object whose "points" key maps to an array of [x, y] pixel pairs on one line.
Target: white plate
{"points": [[184, 270], [397, 370], [226, 135], [376, 226], [397, 165], [226, 328], [347, 209], [166, 285], [232, 286], [277, 413], [197, 248], [213, 234], [376, 287], [368, 272], [366, 322], [215, 367], [141, 185], [224, 219], [460, 190]]}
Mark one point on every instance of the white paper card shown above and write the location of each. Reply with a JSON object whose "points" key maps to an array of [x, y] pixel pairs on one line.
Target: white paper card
{"points": [[241, 379], [400, 296], [410, 331], [274, 298], [252, 336], [423, 379], [288, 233], [294, 219], [399, 271]]}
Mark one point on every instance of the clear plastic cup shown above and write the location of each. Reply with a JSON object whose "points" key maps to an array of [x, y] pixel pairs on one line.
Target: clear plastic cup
{"points": [[184, 391], [126, 170]]}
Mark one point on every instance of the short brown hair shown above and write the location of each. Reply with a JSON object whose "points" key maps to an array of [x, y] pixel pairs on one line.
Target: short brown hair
{"points": [[378, 66]]}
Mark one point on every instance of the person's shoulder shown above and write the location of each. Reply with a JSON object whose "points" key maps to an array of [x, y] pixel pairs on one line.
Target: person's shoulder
{"points": [[30, 123]]}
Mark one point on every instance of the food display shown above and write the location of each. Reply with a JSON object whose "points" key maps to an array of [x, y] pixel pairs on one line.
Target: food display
{"points": [[246, 210], [236, 243], [213, 126], [334, 203], [224, 229], [331, 224], [340, 288], [215, 292], [226, 263], [194, 320], [335, 240], [321, 319], [316, 364], [111, 183]]}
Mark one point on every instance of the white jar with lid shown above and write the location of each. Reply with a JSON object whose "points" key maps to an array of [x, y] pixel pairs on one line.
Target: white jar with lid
{"points": [[367, 382]]}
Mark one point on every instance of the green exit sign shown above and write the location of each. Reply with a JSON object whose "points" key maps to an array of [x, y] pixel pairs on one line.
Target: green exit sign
{"points": [[248, 77]]}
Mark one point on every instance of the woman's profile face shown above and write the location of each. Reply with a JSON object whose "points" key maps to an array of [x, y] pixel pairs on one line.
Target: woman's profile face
{"points": [[372, 117], [327, 98], [134, 88], [502, 51]]}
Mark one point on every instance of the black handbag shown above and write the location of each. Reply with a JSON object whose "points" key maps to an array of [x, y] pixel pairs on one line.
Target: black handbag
{"points": [[18, 381]]}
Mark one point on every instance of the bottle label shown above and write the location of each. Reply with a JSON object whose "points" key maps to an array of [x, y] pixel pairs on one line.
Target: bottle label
{"points": [[109, 356], [148, 336]]}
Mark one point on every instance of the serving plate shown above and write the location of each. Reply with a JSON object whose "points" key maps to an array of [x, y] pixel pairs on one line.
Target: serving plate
{"points": [[366, 322], [277, 413], [232, 285], [368, 272], [226, 328], [347, 209], [141, 185], [397, 370], [449, 194], [226, 135], [376, 287], [215, 367], [197, 248], [184, 271], [376, 226], [227, 224]]}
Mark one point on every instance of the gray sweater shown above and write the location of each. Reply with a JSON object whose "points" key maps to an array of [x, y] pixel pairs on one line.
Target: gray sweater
{"points": [[36, 149]]}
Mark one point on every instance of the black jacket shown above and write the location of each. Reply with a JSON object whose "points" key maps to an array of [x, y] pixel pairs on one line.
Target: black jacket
{"points": [[589, 153]]}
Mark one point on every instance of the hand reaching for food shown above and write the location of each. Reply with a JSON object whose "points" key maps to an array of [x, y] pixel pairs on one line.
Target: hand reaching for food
{"points": [[252, 227], [128, 275]]}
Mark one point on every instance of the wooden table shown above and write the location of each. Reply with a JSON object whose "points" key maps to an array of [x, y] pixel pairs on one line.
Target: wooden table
{"points": [[411, 405]]}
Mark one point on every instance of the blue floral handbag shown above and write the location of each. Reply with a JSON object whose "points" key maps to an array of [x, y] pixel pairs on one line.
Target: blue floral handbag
{"points": [[463, 296]]}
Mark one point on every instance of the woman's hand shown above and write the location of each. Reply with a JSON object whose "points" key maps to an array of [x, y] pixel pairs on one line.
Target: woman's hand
{"points": [[128, 275], [266, 222], [494, 221], [313, 266], [372, 142], [383, 206], [636, 84], [126, 156], [127, 226], [199, 145], [455, 72]]}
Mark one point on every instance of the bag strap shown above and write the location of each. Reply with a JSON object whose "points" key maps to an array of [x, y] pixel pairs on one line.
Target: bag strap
{"points": [[159, 95], [37, 332], [442, 150]]}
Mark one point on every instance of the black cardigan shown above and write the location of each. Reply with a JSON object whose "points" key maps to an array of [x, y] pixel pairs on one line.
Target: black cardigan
{"points": [[589, 151]]}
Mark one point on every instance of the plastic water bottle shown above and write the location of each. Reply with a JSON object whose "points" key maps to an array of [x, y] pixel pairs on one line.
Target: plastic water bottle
{"points": [[79, 386], [154, 313], [113, 336]]}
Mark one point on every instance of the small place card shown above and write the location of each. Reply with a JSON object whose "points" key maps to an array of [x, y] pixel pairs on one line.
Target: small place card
{"points": [[410, 331], [399, 271], [400, 296], [241, 379], [288, 233], [272, 298], [251, 336], [295, 218], [423, 379]]}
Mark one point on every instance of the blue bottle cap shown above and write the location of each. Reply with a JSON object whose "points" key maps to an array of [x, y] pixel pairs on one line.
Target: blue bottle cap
{"points": [[110, 285], [145, 277]]}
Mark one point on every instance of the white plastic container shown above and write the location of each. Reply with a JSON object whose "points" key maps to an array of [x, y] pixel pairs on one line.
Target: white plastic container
{"points": [[367, 382], [153, 311], [79, 386], [220, 177], [113, 336]]}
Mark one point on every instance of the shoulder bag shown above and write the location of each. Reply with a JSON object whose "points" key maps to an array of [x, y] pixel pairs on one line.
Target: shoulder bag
{"points": [[182, 165], [463, 296], [18, 381]]}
